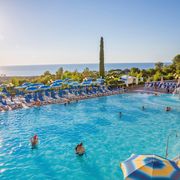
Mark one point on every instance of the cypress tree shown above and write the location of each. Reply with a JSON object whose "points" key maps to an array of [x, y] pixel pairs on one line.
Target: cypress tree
{"points": [[101, 58]]}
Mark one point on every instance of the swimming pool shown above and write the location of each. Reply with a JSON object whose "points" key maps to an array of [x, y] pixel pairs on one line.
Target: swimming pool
{"points": [[108, 139]]}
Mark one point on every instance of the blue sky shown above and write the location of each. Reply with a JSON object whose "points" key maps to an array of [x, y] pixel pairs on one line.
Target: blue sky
{"points": [[68, 31]]}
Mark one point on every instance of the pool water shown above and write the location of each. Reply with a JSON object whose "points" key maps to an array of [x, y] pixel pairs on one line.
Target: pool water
{"points": [[108, 139]]}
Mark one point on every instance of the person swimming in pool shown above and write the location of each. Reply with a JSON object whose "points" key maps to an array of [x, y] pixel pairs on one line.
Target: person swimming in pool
{"points": [[120, 114], [143, 108], [168, 108], [80, 150], [34, 141]]}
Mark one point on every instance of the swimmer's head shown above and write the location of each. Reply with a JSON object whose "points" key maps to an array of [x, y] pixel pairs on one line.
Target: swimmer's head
{"points": [[35, 136]]}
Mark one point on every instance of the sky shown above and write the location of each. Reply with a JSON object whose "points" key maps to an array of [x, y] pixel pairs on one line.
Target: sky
{"points": [[69, 31]]}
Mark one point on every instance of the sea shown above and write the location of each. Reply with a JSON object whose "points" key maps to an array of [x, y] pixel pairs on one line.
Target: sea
{"points": [[36, 70]]}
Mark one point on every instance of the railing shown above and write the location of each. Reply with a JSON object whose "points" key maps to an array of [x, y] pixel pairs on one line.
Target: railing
{"points": [[167, 144]]}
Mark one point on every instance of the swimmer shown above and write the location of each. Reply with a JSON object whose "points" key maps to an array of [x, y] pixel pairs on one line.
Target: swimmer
{"points": [[34, 141], [143, 108], [80, 150], [38, 103], [65, 104], [120, 114], [168, 109]]}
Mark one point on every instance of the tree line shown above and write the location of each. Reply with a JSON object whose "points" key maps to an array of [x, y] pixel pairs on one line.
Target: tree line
{"points": [[169, 72]]}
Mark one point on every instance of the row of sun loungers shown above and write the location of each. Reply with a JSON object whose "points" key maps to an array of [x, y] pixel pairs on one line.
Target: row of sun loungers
{"points": [[53, 97], [162, 85]]}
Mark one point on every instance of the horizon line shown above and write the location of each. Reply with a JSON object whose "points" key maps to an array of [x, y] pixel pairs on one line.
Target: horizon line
{"points": [[85, 63]]}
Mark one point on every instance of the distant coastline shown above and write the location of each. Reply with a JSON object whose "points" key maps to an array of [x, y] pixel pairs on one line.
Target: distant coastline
{"points": [[36, 70]]}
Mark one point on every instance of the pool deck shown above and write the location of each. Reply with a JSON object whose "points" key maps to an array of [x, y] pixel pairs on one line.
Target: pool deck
{"points": [[65, 100], [130, 89], [141, 89]]}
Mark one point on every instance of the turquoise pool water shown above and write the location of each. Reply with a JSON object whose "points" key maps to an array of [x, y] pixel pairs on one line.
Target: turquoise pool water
{"points": [[108, 139]]}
